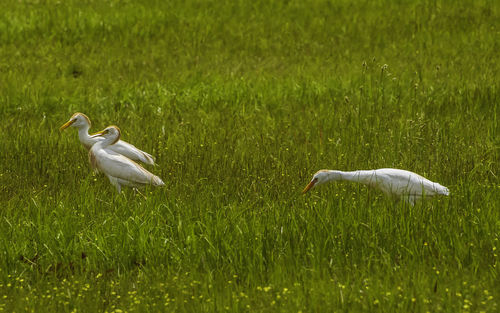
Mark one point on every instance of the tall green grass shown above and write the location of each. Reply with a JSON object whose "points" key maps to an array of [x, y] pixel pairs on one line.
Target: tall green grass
{"points": [[241, 102]]}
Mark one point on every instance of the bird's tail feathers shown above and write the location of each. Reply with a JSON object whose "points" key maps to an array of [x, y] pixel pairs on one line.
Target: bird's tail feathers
{"points": [[156, 181], [148, 158], [442, 190]]}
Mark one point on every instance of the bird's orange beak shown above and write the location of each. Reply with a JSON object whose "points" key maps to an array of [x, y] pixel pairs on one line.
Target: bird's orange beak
{"points": [[309, 186], [66, 125]]}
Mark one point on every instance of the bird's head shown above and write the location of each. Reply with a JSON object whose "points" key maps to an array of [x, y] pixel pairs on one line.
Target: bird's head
{"points": [[112, 132], [77, 120], [319, 178]]}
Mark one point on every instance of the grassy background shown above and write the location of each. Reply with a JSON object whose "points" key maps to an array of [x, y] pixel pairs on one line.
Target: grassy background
{"points": [[241, 102]]}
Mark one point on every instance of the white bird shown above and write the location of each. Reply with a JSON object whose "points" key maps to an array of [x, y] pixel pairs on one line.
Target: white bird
{"points": [[393, 182], [119, 169], [82, 123]]}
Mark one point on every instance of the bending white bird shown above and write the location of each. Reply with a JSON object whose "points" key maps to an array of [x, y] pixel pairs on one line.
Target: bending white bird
{"points": [[82, 123], [120, 170], [393, 182]]}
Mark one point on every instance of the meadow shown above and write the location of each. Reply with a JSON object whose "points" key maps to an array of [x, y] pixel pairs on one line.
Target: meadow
{"points": [[241, 102]]}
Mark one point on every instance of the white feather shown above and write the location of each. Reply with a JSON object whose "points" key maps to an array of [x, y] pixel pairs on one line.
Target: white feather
{"points": [[82, 123], [119, 169], [395, 182]]}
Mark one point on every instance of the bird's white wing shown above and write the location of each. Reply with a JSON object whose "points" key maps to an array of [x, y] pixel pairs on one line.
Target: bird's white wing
{"points": [[406, 182], [117, 165], [131, 152]]}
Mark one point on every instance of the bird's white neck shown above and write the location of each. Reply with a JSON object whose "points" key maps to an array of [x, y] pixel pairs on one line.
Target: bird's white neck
{"points": [[107, 141], [363, 176], [83, 135]]}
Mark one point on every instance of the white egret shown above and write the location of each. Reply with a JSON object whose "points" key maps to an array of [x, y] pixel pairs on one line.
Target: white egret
{"points": [[82, 123], [119, 169], [393, 182]]}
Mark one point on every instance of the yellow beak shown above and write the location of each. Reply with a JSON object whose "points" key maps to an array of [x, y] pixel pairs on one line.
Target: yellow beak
{"points": [[66, 125], [99, 133], [309, 186]]}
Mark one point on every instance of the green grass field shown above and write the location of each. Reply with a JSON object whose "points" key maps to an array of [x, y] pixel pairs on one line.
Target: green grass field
{"points": [[241, 102]]}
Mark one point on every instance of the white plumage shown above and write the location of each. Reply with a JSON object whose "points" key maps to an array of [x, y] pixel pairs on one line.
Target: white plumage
{"points": [[408, 185], [120, 170], [82, 123]]}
